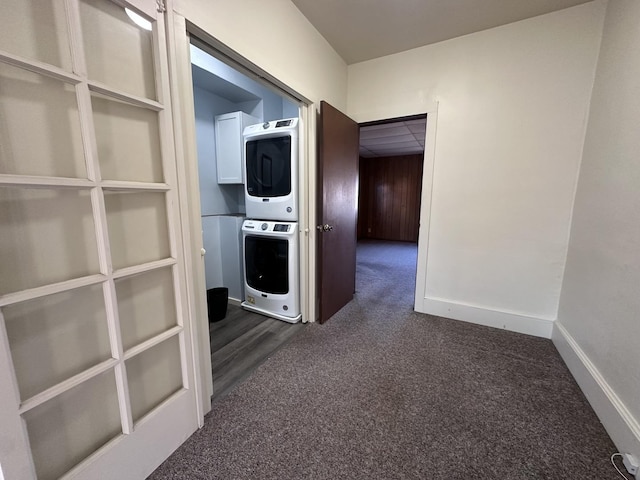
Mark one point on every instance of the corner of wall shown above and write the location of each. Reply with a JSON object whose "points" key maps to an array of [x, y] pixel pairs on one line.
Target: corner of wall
{"points": [[601, 12], [618, 421]]}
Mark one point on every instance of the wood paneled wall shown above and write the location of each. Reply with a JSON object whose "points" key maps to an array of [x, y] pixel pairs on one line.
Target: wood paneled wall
{"points": [[389, 198]]}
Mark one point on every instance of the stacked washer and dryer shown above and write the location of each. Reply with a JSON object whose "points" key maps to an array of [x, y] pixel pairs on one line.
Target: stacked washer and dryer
{"points": [[270, 233]]}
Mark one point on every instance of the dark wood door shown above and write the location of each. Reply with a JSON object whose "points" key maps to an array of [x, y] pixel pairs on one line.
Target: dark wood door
{"points": [[338, 146]]}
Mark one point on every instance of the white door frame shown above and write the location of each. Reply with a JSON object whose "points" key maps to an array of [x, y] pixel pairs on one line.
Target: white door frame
{"points": [[189, 201], [181, 84], [425, 209]]}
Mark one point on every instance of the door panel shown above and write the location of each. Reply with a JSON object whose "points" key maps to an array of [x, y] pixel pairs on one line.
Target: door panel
{"points": [[43, 136], [138, 230], [128, 140], [146, 306], [87, 414], [338, 142], [43, 325], [48, 236], [114, 40], [154, 375], [37, 30], [96, 362]]}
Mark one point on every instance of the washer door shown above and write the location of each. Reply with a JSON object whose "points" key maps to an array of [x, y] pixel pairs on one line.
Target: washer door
{"points": [[266, 264]]}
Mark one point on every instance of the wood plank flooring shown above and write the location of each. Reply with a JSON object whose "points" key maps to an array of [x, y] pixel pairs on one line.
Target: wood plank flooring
{"points": [[241, 342]]}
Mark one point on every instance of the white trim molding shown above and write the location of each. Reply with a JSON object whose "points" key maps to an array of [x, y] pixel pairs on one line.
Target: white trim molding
{"points": [[620, 424], [514, 322]]}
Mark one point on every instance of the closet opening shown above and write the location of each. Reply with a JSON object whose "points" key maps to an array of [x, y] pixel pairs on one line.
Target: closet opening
{"points": [[228, 100]]}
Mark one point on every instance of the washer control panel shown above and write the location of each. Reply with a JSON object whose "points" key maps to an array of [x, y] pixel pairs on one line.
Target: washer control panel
{"points": [[269, 227]]}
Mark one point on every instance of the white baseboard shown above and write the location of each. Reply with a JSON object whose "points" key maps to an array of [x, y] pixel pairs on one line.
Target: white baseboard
{"points": [[235, 301], [620, 424], [513, 322]]}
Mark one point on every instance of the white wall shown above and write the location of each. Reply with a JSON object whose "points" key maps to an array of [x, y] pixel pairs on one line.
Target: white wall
{"points": [[275, 36], [222, 239], [598, 322], [512, 107], [289, 109], [213, 258]]}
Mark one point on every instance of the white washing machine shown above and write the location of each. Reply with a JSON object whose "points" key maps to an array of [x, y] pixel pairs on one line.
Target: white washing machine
{"points": [[271, 272]]}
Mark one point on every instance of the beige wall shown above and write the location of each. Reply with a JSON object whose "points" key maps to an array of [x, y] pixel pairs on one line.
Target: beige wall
{"points": [[513, 103], [600, 302], [274, 35]]}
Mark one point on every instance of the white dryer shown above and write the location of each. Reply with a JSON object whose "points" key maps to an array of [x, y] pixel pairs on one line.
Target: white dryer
{"points": [[271, 170], [271, 271]]}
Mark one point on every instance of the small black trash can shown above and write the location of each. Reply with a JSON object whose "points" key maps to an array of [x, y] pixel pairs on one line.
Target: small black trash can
{"points": [[217, 299]]}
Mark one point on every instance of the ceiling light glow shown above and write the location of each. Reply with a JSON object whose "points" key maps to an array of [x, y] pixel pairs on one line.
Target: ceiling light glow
{"points": [[138, 19]]}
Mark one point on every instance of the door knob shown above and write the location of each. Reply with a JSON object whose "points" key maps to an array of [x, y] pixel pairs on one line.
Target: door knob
{"points": [[325, 228], [203, 252]]}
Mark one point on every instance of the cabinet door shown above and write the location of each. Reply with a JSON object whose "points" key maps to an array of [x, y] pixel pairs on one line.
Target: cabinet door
{"points": [[228, 130]]}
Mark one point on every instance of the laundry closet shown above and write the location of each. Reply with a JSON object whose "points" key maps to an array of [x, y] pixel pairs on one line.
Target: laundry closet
{"points": [[226, 102]]}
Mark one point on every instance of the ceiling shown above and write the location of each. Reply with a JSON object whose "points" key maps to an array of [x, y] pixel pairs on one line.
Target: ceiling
{"points": [[361, 30], [218, 86], [391, 139], [364, 29]]}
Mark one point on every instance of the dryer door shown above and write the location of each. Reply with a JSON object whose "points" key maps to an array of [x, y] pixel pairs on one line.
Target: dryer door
{"points": [[268, 163]]}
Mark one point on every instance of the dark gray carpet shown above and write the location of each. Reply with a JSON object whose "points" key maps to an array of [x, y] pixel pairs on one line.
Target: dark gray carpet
{"points": [[381, 392]]}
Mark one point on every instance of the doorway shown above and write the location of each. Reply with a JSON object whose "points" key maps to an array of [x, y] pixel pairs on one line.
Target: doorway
{"points": [[390, 191]]}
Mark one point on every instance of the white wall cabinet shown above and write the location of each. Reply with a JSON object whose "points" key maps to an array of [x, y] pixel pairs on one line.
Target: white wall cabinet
{"points": [[229, 145]]}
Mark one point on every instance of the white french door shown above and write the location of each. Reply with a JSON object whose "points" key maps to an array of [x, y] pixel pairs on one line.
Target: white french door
{"points": [[96, 363]]}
